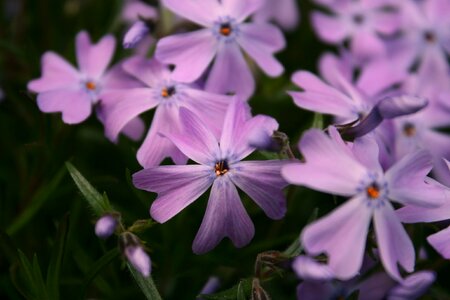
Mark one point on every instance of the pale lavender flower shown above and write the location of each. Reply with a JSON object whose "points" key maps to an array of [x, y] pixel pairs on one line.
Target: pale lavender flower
{"points": [[362, 22], [224, 34], [167, 96], [105, 226], [308, 268], [73, 92], [283, 12], [220, 166], [211, 286], [354, 171]]}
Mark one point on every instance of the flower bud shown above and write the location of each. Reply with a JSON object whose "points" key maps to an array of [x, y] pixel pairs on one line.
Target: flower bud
{"points": [[132, 249], [135, 34], [105, 226]]}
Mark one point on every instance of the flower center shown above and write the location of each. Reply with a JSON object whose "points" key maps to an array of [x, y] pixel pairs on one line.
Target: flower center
{"points": [[430, 37], [90, 85], [373, 191], [358, 19], [221, 167], [168, 92], [409, 130], [225, 29]]}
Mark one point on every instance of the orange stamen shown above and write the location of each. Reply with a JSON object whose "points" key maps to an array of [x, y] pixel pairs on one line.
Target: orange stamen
{"points": [[90, 85], [225, 30], [220, 168], [373, 192], [165, 93]]}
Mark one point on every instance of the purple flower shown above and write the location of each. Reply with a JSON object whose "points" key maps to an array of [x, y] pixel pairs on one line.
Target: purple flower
{"points": [[309, 269], [167, 95], [222, 38], [283, 12], [134, 10], [354, 171], [62, 88], [361, 22], [210, 287], [139, 259], [135, 34], [105, 226], [219, 165]]}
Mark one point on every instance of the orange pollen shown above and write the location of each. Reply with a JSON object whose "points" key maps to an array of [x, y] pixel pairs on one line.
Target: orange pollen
{"points": [[90, 85], [167, 92], [409, 130], [225, 30], [373, 192], [164, 93], [220, 168]]}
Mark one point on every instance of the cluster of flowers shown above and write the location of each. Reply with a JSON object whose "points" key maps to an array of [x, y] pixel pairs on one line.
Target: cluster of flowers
{"points": [[388, 92]]}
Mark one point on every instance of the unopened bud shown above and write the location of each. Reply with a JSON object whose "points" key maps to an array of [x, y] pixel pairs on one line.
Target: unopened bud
{"points": [[132, 249], [105, 226]]}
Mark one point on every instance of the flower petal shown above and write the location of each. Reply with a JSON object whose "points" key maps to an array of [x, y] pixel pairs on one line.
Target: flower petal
{"points": [[260, 41], [230, 73], [195, 140], [74, 104], [94, 59], [330, 29], [57, 73], [308, 268], [329, 167], [408, 183], [225, 217], [262, 181], [202, 12], [441, 242], [177, 187], [190, 52], [367, 45], [121, 106], [394, 244], [156, 146], [342, 236], [149, 71], [239, 9]]}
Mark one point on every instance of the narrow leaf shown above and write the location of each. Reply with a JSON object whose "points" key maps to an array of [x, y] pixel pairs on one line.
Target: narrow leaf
{"points": [[97, 202], [146, 284], [54, 268], [39, 280]]}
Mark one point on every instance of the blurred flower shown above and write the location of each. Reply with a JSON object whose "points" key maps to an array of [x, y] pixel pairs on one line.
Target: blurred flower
{"points": [[62, 88], [105, 226], [211, 286], [283, 12], [361, 22], [135, 34], [222, 38], [220, 165], [354, 171], [168, 96]]}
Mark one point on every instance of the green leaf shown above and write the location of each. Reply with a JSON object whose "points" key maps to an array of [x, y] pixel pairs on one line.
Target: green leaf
{"points": [[54, 268], [239, 291], [146, 284], [317, 121], [40, 284], [97, 267], [296, 247], [38, 200], [27, 271], [99, 204]]}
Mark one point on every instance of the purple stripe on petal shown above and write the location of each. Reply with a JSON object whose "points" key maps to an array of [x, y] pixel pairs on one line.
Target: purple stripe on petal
{"points": [[394, 244], [195, 140], [262, 181], [157, 146], [225, 217], [190, 52], [177, 187], [342, 236]]}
